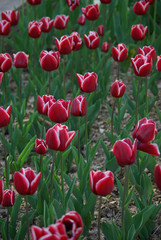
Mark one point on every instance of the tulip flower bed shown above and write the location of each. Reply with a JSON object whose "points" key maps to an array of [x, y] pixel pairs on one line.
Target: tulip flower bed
{"points": [[80, 120]]}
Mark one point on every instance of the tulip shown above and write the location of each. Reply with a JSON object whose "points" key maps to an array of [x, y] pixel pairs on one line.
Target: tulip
{"points": [[37, 233], [5, 27], [73, 4], [58, 137], [145, 132], [81, 19], [49, 61], [120, 52], [43, 103], [100, 30], [88, 82], [47, 24], [72, 223], [5, 116], [65, 45], [158, 64], [77, 41], [141, 7], [117, 89], [26, 181], [102, 183], [92, 40], [34, 29], [106, 1], [5, 62], [11, 16], [61, 21], [148, 51], [105, 47], [8, 198], [21, 60], [79, 106], [142, 65], [138, 32], [1, 76], [34, 2], [40, 146], [157, 175], [59, 111], [125, 152], [91, 12]]}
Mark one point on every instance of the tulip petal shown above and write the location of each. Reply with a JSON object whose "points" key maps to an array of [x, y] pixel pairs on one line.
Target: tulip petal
{"points": [[149, 148], [104, 186], [146, 133], [21, 183], [34, 184], [157, 175]]}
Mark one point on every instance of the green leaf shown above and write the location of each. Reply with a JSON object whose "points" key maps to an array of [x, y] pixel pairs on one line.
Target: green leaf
{"points": [[120, 188], [131, 233], [70, 191], [15, 210], [58, 210]]}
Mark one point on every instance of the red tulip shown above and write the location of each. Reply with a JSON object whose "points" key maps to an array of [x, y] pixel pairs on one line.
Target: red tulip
{"points": [[91, 12], [77, 41], [79, 106], [145, 132], [40, 146], [158, 64], [141, 7], [26, 181], [81, 19], [102, 183], [142, 65], [92, 40], [5, 116], [138, 32], [125, 152], [5, 62], [21, 60], [148, 51], [100, 30], [59, 111], [106, 1], [73, 4], [150, 1], [120, 52], [34, 2], [5, 27], [58, 137], [11, 16], [105, 47], [157, 175], [73, 224], [8, 198], [47, 24], [117, 89], [49, 61], [88, 82], [34, 29], [1, 76], [43, 103], [61, 21], [38, 233], [65, 45]]}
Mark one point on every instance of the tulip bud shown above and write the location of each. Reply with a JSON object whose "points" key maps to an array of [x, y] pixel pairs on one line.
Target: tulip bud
{"points": [[157, 175], [61, 21], [21, 60], [11, 16], [5, 116], [105, 47], [65, 45], [125, 152], [5, 62], [79, 106], [5, 27], [40, 146], [58, 137], [142, 65], [148, 51], [141, 7], [26, 181], [81, 19], [34, 29], [73, 4], [100, 30], [117, 89], [49, 61], [91, 12], [34, 2], [8, 198], [43, 103], [138, 32], [102, 183], [77, 41], [158, 64], [119, 53], [88, 82], [92, 40], [47, 24]]}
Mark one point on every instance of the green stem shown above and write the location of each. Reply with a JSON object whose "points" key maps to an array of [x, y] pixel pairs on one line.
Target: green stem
{"points": [[20, 86], [62, 180], [34, 12], [27, 218], [5, 158], [51, 179], [49, 76], [8, 233], [64, 77], [154, 22], [99, 217], [146, 94], [43, 127], [40, 166], [137, 101], [119, 104], [78, 139], [5, 90], [112, 117], [72, 74], [86, 126], [118, 73], [124, 199]]}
